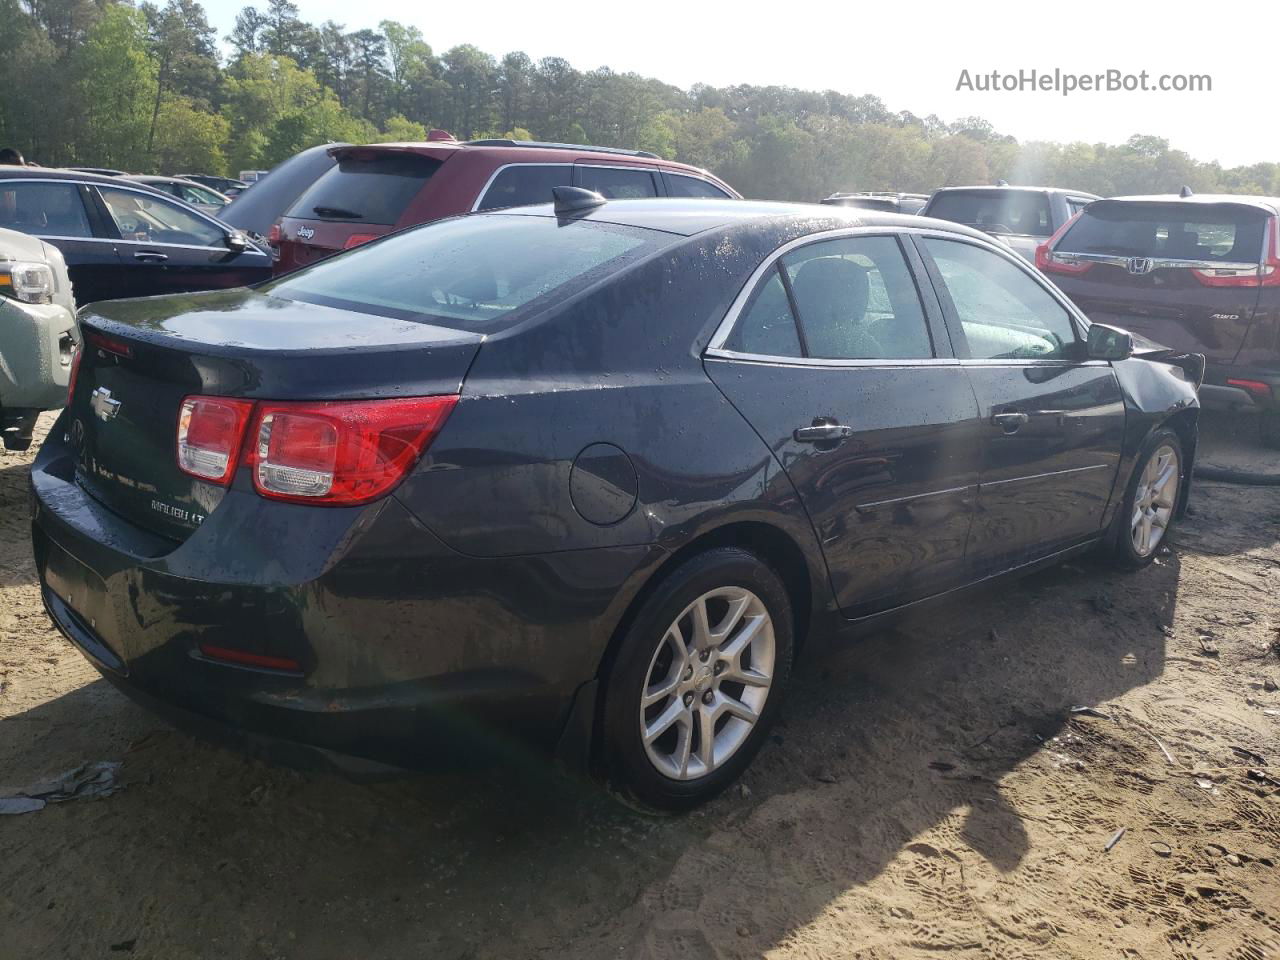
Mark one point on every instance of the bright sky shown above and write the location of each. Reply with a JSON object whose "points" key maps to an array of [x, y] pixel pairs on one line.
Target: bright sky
{"points": [[910, 54]]}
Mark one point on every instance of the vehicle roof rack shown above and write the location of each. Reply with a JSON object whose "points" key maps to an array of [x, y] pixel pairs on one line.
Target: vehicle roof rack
{"points": [[545, 145], [571, 200]]}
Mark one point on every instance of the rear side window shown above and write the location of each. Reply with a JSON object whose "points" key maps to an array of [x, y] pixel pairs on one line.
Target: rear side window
{"points": [[1177, 231], [617, 183], [470, 272], [682, 186], [366, 188], [43, 208], [1021, 212], [527, 183], [854, 298]]}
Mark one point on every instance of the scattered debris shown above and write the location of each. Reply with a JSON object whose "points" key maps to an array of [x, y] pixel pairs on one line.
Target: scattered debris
{"points": [[1115, 839], [825, 776], [1207, 647], [1233, 859], [1269, 684], [87, 780], [1215, 850], [1091, 712], [1163, 749], [1249, 755], [1261, 776], [1160, 848], [744, 791]]}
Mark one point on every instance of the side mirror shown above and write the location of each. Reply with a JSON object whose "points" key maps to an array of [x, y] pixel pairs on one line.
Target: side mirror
{"points": [[1109, 343], [237, 242]]}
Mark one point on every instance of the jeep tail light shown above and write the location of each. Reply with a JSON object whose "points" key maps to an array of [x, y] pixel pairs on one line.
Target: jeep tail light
{"points": [[273, 235], [341, 453], [1268, 275], [356, 239], [1047, 261], [1255, 387], [210, 431]]}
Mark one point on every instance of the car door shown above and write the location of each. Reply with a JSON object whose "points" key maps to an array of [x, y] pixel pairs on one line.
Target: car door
{"points": [[844, 369], [55, 211], [1053, 420], [168, 248]]}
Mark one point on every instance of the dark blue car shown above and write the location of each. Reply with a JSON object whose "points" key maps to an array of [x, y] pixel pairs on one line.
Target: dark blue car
{"points": [[583, 477]]}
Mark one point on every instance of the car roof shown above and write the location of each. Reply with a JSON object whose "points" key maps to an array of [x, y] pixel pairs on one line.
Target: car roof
{"points": [[524, 151], [57, 173], [1007, 188], [1269, 204], [687, 217]]}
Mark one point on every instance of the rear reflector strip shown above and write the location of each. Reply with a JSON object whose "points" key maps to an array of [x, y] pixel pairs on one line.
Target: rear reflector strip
{"points": [[245, 659]]}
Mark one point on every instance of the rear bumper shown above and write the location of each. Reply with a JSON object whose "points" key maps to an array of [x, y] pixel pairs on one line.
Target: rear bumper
{"points": [[407, 652], [1216, 393]]}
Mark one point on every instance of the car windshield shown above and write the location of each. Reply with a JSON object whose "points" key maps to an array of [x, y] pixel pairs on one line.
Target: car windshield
{"points": [[1022, 212], [366, 188], [1230, 233], [471, 272]]}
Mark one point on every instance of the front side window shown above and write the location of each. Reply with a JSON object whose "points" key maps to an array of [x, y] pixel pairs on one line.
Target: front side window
{"points": [[1005, 313], [617, 183], [149, 219], [525, 184], [471, 272], [45, 208]]}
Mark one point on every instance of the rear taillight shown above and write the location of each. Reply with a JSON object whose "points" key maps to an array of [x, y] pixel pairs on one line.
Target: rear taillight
{"points": [[74, 375], [1255, 387], [273, 235], [341, 453], [358, 238], [1048, 261], [210, 431], [1267, 275], [338, 453]]}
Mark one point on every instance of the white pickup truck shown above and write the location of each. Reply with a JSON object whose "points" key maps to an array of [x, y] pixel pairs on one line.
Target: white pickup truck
{"points": [[38, 334]]}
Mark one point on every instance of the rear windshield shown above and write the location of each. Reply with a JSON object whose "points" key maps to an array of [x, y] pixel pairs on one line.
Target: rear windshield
{"points": [[1179, 231], [366, 188], [1022, 212], [470, 273]]}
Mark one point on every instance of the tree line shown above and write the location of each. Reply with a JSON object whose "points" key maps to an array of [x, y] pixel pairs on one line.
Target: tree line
{"points": [[146, 88]]}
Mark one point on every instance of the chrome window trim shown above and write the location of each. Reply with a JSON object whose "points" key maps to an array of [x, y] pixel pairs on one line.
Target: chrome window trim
{"points": [[716, 346], [475, 206]]}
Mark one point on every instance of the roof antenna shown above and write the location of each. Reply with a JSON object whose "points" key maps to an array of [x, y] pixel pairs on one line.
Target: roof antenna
{"points": [[571, 200], [1185, 192]]}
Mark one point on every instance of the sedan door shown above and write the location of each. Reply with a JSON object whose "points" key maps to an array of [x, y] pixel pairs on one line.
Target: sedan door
{"points": [[1053, 421], [168, 248], [845, 370], [55, 211]]}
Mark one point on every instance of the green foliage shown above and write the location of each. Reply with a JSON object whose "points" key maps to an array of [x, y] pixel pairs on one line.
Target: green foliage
{"points": [[101, 82]]}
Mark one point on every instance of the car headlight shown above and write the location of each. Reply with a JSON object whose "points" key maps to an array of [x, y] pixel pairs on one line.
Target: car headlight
{"points": [[27, 281]]}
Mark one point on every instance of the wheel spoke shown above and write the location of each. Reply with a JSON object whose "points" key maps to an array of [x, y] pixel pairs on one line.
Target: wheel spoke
{"points": [[706, 739], [750, 678], [683, 749], [736, 708], [750, 630], [664, 720], [724, 629], [701, 628], [665, 689]]}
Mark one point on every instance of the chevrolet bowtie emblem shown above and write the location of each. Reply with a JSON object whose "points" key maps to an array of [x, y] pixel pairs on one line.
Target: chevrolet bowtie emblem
{"points": [[103, 407]]}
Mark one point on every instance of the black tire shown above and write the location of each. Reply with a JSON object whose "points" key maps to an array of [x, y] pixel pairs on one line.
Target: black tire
{"points": [[1269, 426], [1123, 552], [628, 765]]}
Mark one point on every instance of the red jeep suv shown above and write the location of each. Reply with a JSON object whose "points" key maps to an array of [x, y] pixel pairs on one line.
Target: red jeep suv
{"points": [[373, 190], [1194, 273]]}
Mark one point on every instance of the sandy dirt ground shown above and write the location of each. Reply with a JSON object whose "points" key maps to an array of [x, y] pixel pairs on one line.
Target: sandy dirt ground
{"points": [[929, 793]]}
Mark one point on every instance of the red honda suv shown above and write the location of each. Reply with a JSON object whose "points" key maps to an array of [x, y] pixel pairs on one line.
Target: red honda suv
{"points": [[373, 190], [1194, 273]]}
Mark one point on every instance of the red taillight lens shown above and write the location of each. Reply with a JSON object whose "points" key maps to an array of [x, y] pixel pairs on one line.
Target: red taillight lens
{"points": [[210, 432], [341, 453], [358, 238], [75, 374], [101, 341], [1255, 387], [1049, 262], [273, 235]]}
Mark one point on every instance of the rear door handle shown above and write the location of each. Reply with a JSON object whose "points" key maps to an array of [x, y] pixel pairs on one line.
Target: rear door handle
{"points": [[823, 433], [1009, 420], [151, 256]]}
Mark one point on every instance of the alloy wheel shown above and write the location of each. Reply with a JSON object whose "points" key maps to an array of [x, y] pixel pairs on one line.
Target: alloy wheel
{"points": [[707, 683], [1154, 500]]}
